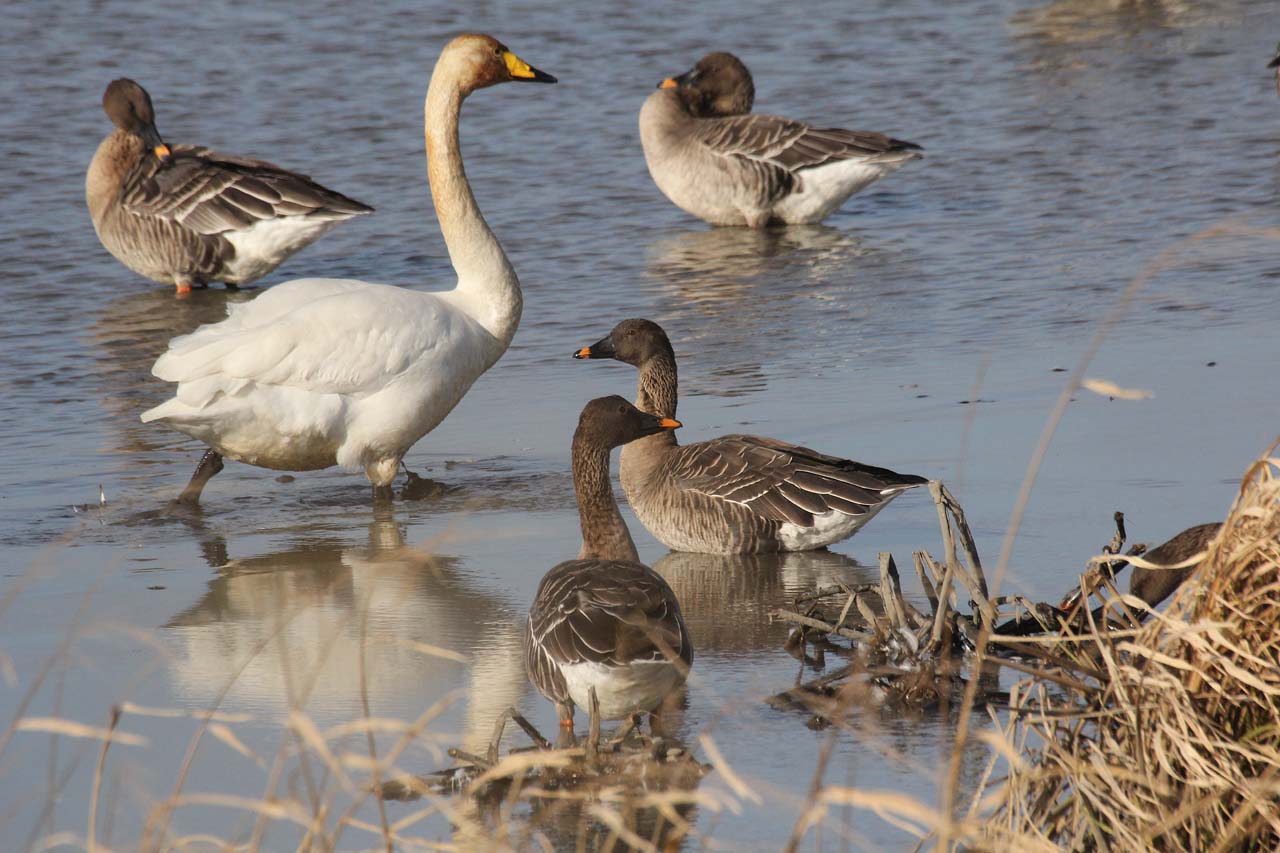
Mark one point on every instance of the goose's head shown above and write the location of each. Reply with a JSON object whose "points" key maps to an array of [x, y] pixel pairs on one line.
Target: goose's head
{"points": [[631, 341], [129, 107], [719, 85], [478, 61], [612, 422]]}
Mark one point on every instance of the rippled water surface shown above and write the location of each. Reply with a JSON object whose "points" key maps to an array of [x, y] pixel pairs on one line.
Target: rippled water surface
{"points": [[1068, 145]]}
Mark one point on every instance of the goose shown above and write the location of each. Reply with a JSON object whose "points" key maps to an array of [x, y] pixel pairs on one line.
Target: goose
{"points": [[322, 372], [1155, 585], [715, 159], [185, 215], [605, 620], [737, 493]]}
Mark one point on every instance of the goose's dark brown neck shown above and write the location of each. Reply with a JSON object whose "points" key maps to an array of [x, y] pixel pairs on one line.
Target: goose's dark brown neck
{"points": [[604, 533], [657, 393], [659, 385]]}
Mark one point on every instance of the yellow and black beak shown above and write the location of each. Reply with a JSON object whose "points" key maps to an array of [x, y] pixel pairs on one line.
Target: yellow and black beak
{"points": [[521, 70]]}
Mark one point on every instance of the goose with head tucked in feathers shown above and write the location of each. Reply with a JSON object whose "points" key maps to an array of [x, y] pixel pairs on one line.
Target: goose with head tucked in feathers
{"points": [[321, 372], [736, 493], [718, 161], [605, 620], [1155, 585], [185, 215]]}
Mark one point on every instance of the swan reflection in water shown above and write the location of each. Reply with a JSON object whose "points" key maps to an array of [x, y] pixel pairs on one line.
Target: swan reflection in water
{"points": [[295, 629], [726, 598]]}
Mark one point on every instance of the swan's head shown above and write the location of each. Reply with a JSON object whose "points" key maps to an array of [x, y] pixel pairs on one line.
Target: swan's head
{"points": [[129, 107], [719, 85], [479, 61], [631, 341], [613, 421]]}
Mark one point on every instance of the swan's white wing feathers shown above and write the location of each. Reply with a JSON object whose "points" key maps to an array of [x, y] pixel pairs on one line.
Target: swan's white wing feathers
{"points": [[381, 330]]}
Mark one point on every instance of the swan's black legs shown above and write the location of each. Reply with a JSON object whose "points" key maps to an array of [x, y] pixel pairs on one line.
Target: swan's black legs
{"points": [[210, 465]]}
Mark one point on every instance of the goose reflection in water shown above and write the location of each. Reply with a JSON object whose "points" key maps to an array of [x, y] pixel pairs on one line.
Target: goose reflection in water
{"points": [[1075, 21], [726, 598], [128, 335], [753, 293], [285, 631], [707, 269]]}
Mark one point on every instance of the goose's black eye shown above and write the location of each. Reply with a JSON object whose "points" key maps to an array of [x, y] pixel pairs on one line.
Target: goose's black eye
{"points": [[497, 51]]}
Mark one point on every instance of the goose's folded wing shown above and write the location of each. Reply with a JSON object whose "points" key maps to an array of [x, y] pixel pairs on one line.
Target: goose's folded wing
{"points": [[597, 611], [213, 193], [794, 145], [783, 482], [354, 341]]}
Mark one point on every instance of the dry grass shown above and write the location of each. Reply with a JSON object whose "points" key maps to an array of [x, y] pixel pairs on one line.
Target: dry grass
{"points": [[1176, 745]]}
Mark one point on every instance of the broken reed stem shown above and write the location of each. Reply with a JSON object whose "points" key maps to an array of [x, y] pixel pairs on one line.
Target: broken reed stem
{"points": [[891, 591], [529, 728], [917, 557], [810, 622], [369, 738], [91, 837], [940, 620], [974, 580]]}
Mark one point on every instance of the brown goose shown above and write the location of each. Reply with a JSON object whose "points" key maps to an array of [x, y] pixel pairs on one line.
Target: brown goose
{"points": [[737, 493], [186, 215], [605, 620], [1155, 585], [714, 159]]}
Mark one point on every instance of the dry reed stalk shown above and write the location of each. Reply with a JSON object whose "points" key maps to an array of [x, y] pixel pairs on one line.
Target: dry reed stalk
{"points": [[1178, 747]]}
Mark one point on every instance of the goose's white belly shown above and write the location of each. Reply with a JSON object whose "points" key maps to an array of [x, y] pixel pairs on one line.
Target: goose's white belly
{"points": [[621, 690], [828, 528], [263, 246], [824, 188]]}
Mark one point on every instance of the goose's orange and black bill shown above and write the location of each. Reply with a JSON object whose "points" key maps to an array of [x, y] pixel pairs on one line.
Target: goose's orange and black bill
{"points": [[602, 348]]}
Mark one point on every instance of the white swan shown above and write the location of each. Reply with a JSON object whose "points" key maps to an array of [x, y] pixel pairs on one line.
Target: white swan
{"points": [[321, 372]]}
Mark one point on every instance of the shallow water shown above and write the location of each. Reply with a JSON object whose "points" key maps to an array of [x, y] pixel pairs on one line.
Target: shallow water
{"points": [[1067, 145]]}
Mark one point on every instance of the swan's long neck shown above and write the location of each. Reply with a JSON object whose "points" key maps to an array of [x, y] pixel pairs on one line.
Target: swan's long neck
{"points": [[604, 534], [487, 288]]}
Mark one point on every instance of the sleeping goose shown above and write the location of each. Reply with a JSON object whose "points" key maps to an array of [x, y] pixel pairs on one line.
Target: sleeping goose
{"points": [[1155, 585], [606, 620], [321, 372], [185, 215], [716, 160], [736, 493]]}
